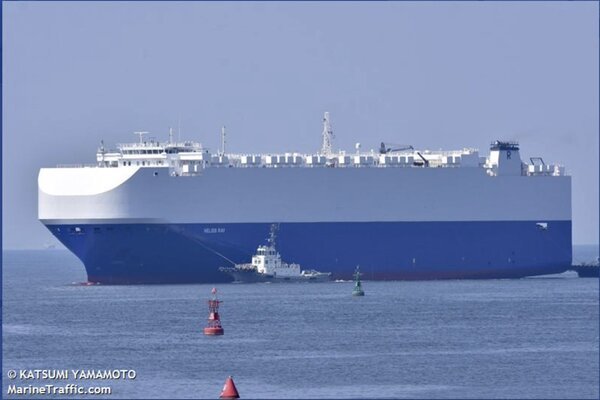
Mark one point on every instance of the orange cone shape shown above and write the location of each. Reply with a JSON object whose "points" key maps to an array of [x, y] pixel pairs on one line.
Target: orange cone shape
{"points": [[229, 390]]}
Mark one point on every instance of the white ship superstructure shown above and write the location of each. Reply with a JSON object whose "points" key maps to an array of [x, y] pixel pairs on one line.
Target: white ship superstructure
{"points": [[191, 158], [404, 204]]}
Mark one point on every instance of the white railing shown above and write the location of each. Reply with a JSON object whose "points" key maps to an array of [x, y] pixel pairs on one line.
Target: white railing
{"points": [[77, 165]]}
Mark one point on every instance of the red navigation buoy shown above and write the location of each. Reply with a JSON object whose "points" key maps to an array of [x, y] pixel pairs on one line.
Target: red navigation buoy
{"points": [[229, 390], [214, 321]]}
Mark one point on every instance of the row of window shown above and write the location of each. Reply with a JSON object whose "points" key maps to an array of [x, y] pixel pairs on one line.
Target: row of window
{"points": [[171, 150], [128, 163], [142, 151]]}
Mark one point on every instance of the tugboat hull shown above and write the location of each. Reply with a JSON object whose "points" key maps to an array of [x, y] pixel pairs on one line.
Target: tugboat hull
{"points": [[251, 276]]}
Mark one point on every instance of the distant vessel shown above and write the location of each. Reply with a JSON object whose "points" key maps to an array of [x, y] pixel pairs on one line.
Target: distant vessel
{"points": [[357, 291], [267, 266], [161, 211], [588, 270]]}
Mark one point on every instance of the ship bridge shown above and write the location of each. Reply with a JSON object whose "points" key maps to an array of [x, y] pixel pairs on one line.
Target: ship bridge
{"points": [[152, 153]]}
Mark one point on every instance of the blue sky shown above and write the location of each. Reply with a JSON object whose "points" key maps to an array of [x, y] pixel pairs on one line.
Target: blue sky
{"points": [[434, 75]]}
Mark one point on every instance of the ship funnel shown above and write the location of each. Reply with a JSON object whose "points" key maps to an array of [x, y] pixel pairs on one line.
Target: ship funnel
{"points": [[505, 158]]}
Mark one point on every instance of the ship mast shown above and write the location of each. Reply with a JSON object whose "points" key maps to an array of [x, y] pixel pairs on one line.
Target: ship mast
{"points": [[141, 135], [327, 135], [102, 152], [272, 235], [223, 141]]}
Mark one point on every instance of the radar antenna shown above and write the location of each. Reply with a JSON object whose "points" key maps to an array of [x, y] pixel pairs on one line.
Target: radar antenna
{"points": [[141, 135], [327, 135]]}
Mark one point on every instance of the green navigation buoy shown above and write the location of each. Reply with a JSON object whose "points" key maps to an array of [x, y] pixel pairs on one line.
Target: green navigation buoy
{"points": [[357, 291]]}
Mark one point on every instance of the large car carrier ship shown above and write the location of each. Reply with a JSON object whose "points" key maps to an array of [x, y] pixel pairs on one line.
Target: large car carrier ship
{"points": [[173, 212]]}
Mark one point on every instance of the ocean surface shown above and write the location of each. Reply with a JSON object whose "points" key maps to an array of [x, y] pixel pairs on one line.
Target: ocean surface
{"points": [[526, 338]]}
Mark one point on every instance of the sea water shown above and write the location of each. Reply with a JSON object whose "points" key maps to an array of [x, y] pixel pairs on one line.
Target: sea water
{"points": [[524, 338]]}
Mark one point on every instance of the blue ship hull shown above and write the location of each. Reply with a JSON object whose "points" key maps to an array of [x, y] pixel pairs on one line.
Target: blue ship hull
{"points": [[193, 253]]}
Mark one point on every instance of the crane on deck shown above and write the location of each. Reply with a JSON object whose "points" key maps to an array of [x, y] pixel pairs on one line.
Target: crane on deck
{"points": [[386, 148], [392, 147]]}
